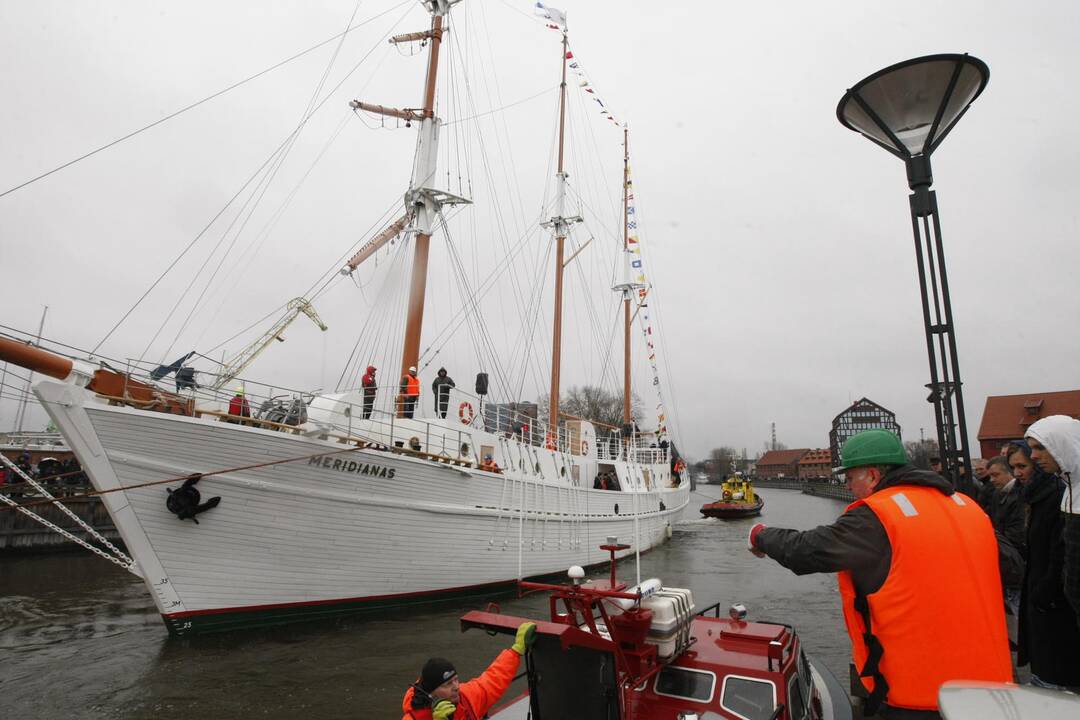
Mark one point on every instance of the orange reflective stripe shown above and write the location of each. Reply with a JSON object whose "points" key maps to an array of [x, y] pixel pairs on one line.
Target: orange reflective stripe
{"points": [[939, 614]]}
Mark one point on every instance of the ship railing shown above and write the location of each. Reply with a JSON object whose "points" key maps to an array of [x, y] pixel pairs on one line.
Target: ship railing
{"points": [[517, 420]]}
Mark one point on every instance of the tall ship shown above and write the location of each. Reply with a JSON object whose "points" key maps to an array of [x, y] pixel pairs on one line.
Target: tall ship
{"points": [[243, 504]]}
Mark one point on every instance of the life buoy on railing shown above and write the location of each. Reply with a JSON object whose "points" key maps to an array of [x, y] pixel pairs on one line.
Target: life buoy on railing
{"points": [[584, 447], [549, 442], [465, 412]]}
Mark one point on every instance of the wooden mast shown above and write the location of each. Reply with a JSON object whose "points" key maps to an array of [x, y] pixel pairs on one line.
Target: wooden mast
{"points": [[560, 247], [626, 293], [428, 132]]}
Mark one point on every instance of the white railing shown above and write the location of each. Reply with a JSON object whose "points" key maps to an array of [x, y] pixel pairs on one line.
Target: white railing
{"points": [[386, 426]]}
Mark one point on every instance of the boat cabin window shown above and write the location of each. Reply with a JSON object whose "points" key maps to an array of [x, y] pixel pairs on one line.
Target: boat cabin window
{"points": [[748, 698], [685, 683]]}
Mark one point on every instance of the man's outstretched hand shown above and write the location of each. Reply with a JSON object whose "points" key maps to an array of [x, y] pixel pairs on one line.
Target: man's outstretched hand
{"points": [[751, 540]]}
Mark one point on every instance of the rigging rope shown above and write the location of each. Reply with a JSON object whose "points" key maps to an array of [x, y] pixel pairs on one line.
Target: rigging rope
{"points": [[269, 159], [196, 104]]}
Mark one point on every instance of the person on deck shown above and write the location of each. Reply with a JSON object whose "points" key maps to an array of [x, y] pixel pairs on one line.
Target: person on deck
{"points": [[488, 463], [919, 578], [1055, 448], [439, 695], [440, 387], [239, 405], [410, 392], [370, 388], [1047, 635]]}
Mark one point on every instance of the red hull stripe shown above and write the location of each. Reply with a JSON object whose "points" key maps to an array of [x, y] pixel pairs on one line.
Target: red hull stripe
{"points": [[336, 601]]}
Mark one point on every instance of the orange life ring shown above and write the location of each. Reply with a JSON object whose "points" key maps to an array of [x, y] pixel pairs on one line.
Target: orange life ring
{"points": [[584, 447], [465, 412]]}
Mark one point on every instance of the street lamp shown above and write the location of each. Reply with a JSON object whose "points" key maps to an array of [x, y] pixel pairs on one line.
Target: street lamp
{"points": [[908, 109]]}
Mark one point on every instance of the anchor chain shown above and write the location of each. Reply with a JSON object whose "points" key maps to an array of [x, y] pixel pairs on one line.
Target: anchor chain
{"points": [[119, 557]]}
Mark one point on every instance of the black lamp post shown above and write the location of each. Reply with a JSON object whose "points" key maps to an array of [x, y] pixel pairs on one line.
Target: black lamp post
{"points": [[908, 109]]}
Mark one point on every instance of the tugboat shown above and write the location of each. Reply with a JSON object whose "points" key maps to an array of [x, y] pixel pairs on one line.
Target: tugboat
{"points": [[610, 652], [738, 500]]}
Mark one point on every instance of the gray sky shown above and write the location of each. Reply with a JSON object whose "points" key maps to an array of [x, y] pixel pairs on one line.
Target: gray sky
{"points": [[779, 242]]}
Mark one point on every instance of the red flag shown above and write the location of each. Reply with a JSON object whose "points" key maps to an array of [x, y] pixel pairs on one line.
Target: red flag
{"points": [[569, 55], [589, 90]]}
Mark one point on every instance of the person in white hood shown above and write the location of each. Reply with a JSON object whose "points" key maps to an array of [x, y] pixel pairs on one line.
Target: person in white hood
{"points": [[1055, 448]]}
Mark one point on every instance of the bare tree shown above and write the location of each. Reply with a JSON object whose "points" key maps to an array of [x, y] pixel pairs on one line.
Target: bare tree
{"points": [[594, 403], [919, 452]]}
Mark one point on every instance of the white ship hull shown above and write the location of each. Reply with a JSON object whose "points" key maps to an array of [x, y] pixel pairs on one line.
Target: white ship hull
{"points": [[331, 528]]}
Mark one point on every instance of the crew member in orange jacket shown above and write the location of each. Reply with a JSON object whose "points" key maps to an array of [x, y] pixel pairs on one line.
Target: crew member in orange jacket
{"points": [[410, 392], [919, 578], [439, 695]]}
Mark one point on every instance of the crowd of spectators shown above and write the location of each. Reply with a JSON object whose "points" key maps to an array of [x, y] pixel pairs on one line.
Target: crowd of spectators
{"points": [[61, 478], [1027, 506]]}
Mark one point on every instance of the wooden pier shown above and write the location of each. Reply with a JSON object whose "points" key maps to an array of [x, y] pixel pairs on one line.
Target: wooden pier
{"points": [[19, 532]]}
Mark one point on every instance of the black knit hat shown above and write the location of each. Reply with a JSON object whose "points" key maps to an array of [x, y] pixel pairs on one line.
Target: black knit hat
{"points": [[436, 671]]}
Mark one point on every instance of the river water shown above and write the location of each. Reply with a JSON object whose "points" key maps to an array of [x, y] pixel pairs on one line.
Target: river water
{"points": [[80, 638]]}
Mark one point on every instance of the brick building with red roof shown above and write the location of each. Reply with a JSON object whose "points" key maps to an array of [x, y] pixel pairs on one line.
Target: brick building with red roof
{"points": [[777, 463], [816, 464], [1007, 417]]}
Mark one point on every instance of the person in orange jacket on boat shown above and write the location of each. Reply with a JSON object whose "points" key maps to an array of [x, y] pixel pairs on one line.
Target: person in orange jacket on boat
{"points": [[410, 391], [920, 585], [439, 695]]}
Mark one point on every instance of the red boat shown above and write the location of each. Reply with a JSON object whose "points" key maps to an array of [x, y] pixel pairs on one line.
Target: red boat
{"points": [[609, 652]]}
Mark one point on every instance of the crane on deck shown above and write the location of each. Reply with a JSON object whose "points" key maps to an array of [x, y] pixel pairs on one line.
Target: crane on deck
{"points": [[238, 363]]}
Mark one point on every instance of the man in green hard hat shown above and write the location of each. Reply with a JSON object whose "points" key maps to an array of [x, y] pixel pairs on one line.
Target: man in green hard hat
{"points": [[920, 585]]}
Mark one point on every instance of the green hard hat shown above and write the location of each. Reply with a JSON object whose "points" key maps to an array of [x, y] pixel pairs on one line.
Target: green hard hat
{"points": [[873, 447]]}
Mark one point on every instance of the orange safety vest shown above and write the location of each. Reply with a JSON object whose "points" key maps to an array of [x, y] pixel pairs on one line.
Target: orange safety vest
{"points": [[412, 386], [939, 615]]}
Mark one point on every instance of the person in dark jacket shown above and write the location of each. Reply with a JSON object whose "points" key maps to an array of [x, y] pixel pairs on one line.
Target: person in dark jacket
{"points": [[913, 624], [1006, 506], [1055, 448], [1048, 637], [370, 388], [983, 486], [440, 388], [1007, 513]]}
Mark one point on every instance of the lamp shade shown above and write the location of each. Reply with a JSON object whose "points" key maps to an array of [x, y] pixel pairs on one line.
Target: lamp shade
{"points": [[908, 108]]}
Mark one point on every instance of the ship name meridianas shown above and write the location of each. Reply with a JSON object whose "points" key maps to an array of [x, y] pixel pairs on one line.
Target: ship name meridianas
{"points": [[352, 466]]}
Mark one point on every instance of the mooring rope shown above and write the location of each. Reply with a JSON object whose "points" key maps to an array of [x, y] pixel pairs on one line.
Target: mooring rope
{"points": [[211, 473]]}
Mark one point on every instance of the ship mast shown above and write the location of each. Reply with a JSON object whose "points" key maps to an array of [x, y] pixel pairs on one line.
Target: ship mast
{"points": [[422, 201], [628, 285], [626, 294], [426, 207], [560, 224]]}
